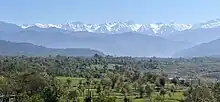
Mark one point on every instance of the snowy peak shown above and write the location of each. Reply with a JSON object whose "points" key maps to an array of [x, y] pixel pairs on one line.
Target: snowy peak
{"points": [[128, 26], [209, 24], [114, 27]]}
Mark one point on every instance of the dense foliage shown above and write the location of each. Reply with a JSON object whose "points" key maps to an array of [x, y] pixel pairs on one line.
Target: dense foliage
{"points": [[108, 79]]}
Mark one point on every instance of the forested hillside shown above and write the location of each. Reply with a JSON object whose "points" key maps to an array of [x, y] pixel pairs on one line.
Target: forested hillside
{"points": [[13, 49]]}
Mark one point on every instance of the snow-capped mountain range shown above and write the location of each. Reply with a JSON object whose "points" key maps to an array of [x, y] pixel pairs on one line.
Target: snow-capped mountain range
{"points": [[128, 26]]}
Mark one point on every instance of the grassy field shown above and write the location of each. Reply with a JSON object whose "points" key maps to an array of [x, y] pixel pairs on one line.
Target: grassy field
{"points": [[175, 97], [74, 81]]}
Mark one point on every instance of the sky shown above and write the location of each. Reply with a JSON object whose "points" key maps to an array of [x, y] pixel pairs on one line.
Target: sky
{"points": [[100, 11]]}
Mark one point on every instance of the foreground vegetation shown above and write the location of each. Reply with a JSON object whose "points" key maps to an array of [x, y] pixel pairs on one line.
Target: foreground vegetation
{"points": [[108, 79]]}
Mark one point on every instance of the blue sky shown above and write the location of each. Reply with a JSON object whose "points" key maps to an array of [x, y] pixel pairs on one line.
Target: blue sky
{"points": [[99, 11]]}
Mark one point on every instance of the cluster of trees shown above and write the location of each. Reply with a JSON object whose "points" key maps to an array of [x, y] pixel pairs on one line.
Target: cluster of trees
{"points": [[71, 66], [34, 79]]}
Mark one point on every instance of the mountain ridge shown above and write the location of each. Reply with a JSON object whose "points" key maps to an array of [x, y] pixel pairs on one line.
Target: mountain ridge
{"points": [[12, 49], [126, 43], [206, 49], [128, 26]]}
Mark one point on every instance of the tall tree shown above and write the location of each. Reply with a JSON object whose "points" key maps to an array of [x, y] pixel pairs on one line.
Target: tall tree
{"points": [[114, 78], [200, 94]]}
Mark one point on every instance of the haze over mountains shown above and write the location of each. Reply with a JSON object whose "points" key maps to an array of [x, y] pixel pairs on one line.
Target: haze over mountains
{"points": [[206, 49], [27, 49], [116, 38]]}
